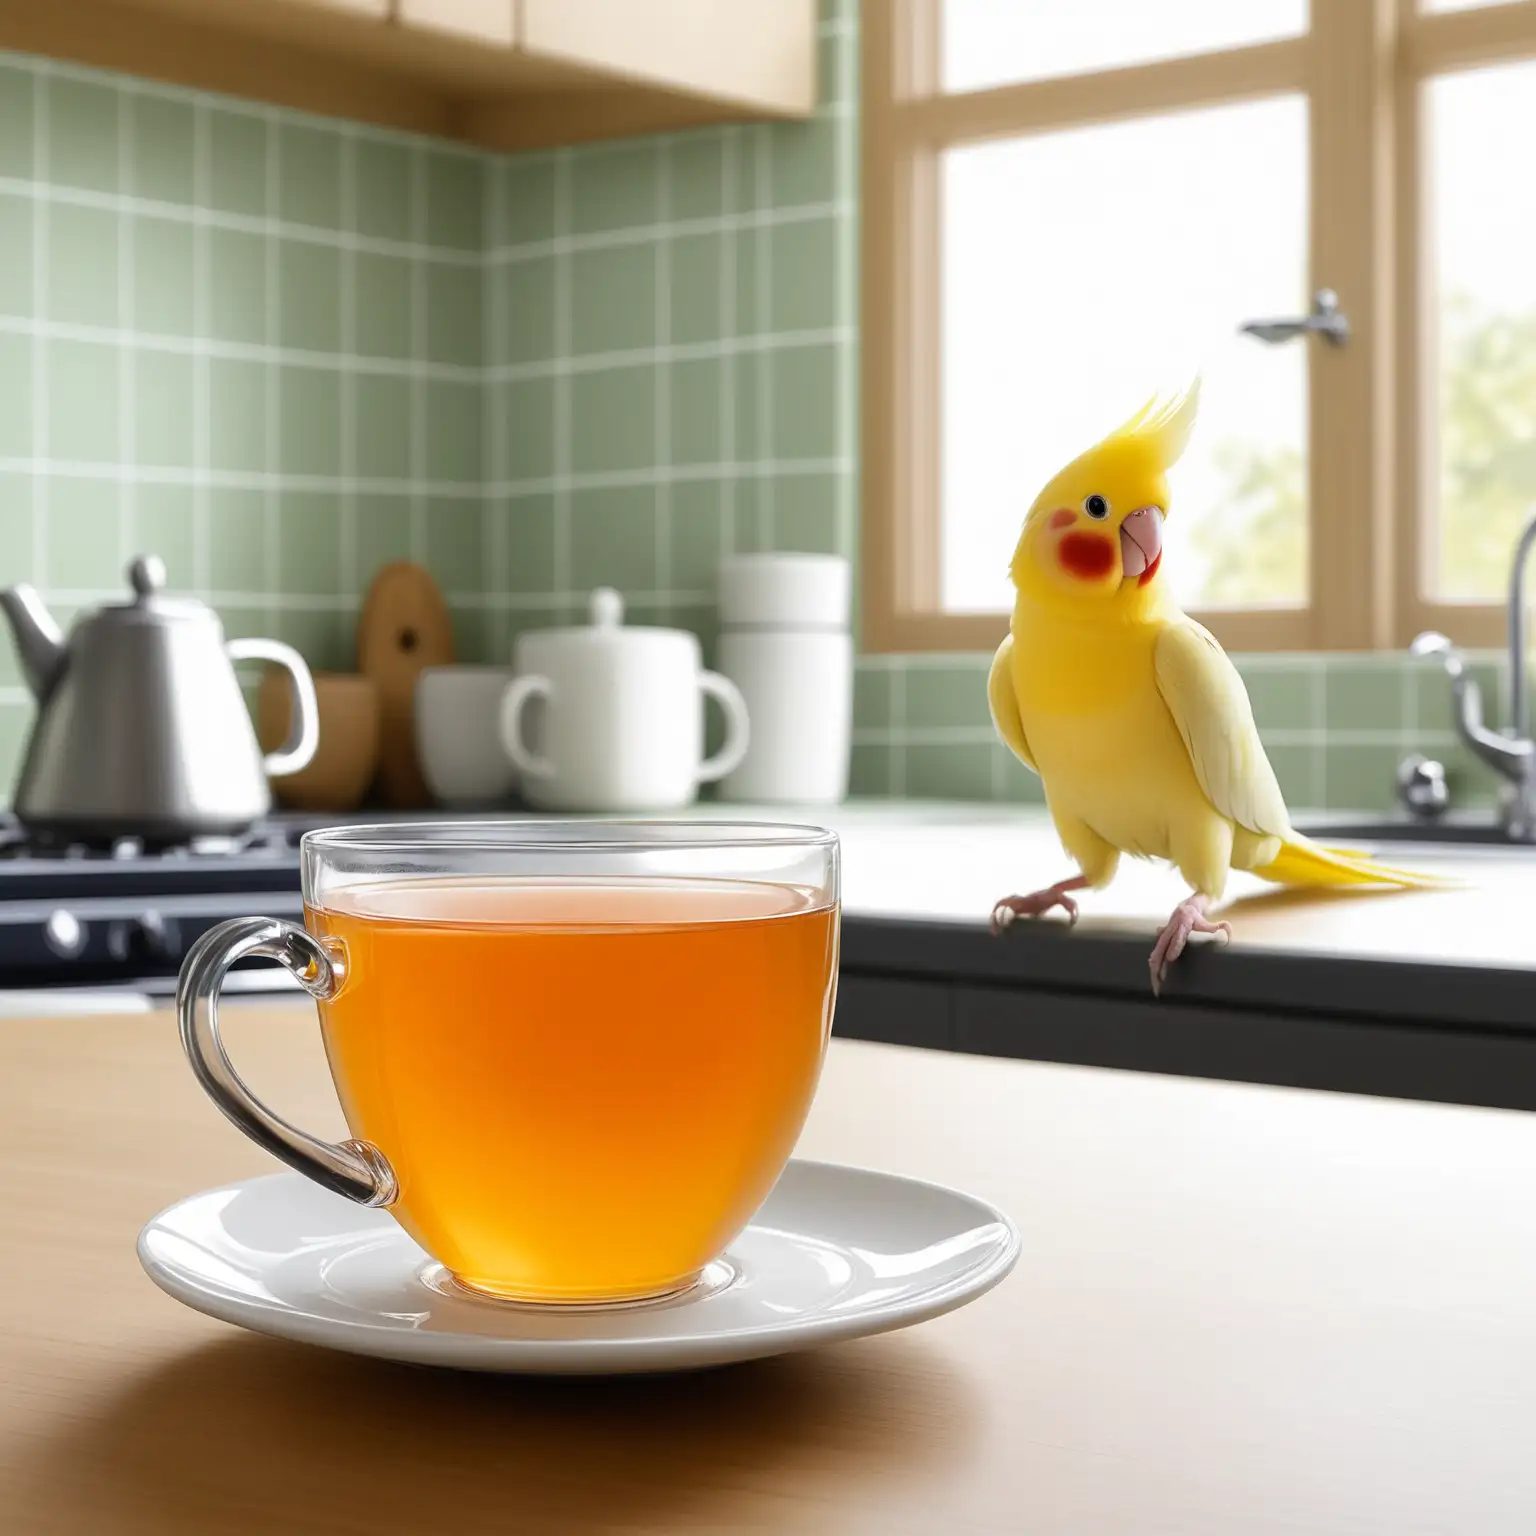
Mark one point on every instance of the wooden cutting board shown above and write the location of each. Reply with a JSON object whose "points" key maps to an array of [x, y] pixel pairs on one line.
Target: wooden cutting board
{"points": [[404, 627], [347, 758]]}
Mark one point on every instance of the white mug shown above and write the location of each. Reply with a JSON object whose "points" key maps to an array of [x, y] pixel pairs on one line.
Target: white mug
{"points": [[458, 737], [623, 715]]}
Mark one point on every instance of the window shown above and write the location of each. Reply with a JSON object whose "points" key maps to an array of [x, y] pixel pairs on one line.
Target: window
{"points": [[1067, 207]]}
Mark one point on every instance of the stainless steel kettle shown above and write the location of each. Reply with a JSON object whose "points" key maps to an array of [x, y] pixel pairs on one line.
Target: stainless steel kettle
{"points": [[141, 728]]}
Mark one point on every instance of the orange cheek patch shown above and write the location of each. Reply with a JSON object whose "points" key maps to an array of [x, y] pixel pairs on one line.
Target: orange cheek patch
{"points": [[1062, 517], [1086, 554]]}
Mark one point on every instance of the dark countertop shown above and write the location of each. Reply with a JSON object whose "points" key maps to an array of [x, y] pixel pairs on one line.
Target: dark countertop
{"points": [[919, 881], [1420, 994]]}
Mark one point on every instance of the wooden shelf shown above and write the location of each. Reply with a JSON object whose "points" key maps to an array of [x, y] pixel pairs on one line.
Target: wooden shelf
{"points": [[504, 74]]}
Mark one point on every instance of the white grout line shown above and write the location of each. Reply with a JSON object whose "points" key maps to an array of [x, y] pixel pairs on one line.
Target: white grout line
{"points": [[331, 602], [674, 352], [1325, 738], [201, 372], [567, 601], [644, 234], [904, 734], [1319, 754], [351, 578], [919, 661], [496, 532], [127, 372], [662, 448], [618, 479], [845, 259], [563, 478], [40, 223], [418, 452], [765, 371], [729, 331], [237, 351], [124, 205], [237, 479]]}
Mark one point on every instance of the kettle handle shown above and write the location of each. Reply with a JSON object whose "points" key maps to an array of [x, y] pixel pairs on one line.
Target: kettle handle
{"points": [[304, 738]]}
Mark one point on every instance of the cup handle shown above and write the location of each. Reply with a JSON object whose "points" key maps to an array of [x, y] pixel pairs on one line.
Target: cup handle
{"points": [[738, 729], [356, 1169], [519, 691], [304, 738]]}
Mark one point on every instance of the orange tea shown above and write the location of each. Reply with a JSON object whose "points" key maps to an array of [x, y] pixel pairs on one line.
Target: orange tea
{"points": [[585, 1087]]}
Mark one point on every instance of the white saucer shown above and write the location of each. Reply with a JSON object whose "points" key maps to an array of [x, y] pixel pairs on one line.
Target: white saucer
{"points": [[833, 1254]]}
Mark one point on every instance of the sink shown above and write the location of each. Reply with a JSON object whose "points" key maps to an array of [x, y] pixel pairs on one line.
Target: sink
{"points": [[1460, 830]]}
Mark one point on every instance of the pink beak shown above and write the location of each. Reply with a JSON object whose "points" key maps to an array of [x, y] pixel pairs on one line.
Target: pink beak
{"points": [[1141, 540]]}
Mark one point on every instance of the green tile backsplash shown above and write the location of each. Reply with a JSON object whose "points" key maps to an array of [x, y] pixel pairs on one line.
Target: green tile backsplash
{"points": [[1335, 727], [672, 355], [281, 351], [243, 338]]}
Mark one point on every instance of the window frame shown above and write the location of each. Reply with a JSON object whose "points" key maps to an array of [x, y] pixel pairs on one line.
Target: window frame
{"points": [[1360, 68], [1434, 44]]}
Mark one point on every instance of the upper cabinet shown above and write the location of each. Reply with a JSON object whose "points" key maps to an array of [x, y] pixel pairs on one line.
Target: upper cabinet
{"points": [[506, 74]]}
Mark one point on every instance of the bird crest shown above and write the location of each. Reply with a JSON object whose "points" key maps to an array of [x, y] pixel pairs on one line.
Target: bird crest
{"points": [[1162, 427]]}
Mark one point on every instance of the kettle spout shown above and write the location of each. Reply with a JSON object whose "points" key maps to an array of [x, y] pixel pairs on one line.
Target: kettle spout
{"points": [[38, 641]]}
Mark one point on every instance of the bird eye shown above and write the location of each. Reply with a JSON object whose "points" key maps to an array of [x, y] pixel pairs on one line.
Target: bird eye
{"points": [[1096, 506]]}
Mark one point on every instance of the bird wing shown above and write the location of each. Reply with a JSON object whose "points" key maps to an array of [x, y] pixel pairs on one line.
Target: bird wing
{"points": [[1005, 704], [1210, 707]]}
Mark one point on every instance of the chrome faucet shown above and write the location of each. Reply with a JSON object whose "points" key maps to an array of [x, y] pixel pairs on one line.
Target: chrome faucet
{"points": [[1519, 695], [1510, 752]]}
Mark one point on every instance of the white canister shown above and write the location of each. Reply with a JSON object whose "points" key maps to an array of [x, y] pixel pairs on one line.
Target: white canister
{"points": [[799, 692], [788, 591], [785, 644], [623, 715]]}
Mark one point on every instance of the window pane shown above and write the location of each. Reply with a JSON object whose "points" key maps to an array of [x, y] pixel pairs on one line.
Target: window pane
{"points": [[1481, 125], [993, 42], [1084, 270]]}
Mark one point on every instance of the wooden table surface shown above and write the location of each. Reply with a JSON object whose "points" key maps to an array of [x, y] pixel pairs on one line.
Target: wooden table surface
{"points": [[1239, 1311]]}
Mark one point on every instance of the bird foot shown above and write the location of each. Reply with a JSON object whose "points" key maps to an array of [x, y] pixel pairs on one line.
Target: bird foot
{"points": [[1036, 904], [1188, 917]]}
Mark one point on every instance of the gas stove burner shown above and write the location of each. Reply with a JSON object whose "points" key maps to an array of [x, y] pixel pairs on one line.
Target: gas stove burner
{"points": [[216, 846], [264, 840], [127, 910]]}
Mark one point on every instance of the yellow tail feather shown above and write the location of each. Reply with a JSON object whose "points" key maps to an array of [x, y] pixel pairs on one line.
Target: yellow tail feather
{"points": [[1303, 862]]}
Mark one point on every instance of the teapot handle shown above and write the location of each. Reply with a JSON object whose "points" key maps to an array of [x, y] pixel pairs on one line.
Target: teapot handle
{"points": [[304, 737]]}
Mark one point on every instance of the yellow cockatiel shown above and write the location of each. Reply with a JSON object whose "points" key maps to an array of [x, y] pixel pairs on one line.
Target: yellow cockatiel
{"points": [[1128, 710]]}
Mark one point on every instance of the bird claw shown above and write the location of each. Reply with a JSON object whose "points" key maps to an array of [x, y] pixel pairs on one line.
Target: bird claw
{"points": [[1188, 918], [1036, 904]]}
